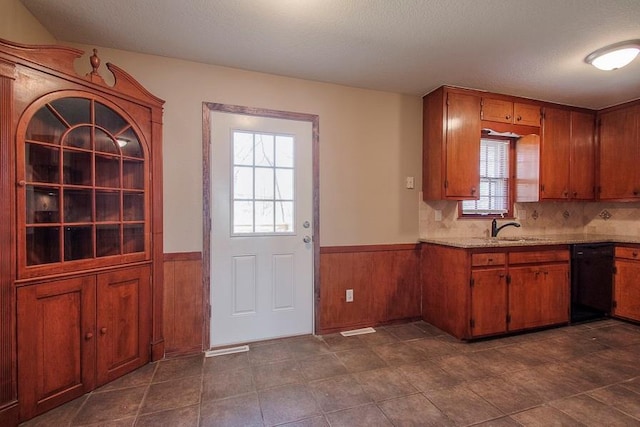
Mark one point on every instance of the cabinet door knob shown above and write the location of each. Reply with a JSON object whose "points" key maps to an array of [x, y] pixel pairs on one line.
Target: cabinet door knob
{"points": [[88, 336], [519, 118], [22, 183], [508, 117], [473, 190], [575, 194], [103, 331]]}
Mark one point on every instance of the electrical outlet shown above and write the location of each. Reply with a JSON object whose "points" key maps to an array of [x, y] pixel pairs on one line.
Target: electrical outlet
{"points": [[349, 295]]}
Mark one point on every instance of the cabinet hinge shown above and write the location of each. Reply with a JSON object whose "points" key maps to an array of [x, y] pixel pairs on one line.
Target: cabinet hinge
{"points": [[614, 304], [471, 282], [508, 279], [446, 183], [542, 188], [508, 318], [472, 323]]}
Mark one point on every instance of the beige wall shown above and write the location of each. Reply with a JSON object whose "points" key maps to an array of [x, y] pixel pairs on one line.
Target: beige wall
{"points": [[369, 141], [18, 24]]}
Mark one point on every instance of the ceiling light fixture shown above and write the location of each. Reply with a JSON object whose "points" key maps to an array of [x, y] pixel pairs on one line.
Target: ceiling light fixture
{"points": [[614, 56]]}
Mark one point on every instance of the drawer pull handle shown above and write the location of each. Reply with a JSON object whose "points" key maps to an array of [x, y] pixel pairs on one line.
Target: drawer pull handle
{"points": [[490, 260]]}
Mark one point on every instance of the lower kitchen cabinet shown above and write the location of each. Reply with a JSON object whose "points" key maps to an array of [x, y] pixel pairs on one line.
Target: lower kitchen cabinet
{"points": [[538, 296], [472, 293], [79, 333], [626, 283]]}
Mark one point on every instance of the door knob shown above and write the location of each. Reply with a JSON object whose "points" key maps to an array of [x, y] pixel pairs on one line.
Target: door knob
{"points": [[307, 239], [306, 224]]}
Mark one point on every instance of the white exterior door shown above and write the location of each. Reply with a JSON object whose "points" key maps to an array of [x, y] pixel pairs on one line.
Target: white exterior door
{"points": [[261, 228]]}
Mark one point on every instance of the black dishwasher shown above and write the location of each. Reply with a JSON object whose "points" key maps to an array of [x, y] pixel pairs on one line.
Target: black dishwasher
{"points": [[591, 281]]}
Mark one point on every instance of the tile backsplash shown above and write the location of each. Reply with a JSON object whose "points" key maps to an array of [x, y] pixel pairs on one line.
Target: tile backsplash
{"points": [[440, 219]]}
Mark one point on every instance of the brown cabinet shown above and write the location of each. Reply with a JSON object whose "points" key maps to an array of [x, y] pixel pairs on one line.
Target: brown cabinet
{"points": [[567, 157], [472, 293], [626, 285], [619, 153], [504, 111], [81, 229], [451, 145], [79, 333]]}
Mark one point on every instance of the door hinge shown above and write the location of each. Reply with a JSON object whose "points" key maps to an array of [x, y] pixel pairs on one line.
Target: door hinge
{"points": [[508, 279], [508, 318], [471, 282], [472, 323]]}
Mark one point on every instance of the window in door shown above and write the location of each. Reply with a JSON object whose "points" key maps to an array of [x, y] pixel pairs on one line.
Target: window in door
{"points": [[262, 184], [496, 169]]}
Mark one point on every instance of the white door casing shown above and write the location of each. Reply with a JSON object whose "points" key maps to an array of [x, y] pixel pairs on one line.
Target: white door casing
{"points": [[261, 277]]}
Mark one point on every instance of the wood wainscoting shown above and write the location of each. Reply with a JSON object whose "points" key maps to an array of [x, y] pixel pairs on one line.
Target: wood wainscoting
{"points": [[183, 309], [385, 280]]}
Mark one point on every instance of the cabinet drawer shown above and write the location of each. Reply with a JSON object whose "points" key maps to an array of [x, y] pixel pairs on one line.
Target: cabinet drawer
{"points": [[538, 256], [628, 253], [481, 260]]}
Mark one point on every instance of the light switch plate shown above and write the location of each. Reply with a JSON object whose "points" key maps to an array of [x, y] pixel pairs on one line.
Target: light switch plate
{"points": [[349, 295], [410, 182]]}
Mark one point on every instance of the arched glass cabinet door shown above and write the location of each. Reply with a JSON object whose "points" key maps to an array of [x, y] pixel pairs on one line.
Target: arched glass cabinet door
{"points": [[83, 184]]}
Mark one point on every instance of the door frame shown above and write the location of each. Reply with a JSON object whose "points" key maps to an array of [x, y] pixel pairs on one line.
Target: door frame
{"points": [[207, 109]]}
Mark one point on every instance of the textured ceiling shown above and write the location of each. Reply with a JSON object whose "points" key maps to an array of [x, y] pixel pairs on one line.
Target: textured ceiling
{"points": [[531, 48]]}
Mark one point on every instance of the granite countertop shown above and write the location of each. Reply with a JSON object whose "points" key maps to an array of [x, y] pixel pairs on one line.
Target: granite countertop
{"points": [[471, 242]]}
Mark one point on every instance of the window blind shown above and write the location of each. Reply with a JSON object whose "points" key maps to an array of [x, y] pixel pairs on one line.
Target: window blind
{"points": [[494, 179]]}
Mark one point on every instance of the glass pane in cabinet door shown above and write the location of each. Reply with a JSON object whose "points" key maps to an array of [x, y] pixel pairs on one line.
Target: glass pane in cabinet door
{"points": [[77, 205], [130, 144], [107, 206], [105, 143], [133, 174], [44, 126], [107, 240], [78, 242], [76, 167], [133, 207], [42, 163], [42, 205], [133, 236], [79, 137], [74, 110], [107, 171], [109, 119], [43, 245]]}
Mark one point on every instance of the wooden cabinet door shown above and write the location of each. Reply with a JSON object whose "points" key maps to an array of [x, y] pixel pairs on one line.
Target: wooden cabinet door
{"points": [[626, 289], [56, 343], [538, 296], [582, 164], [123, 325], [526, 114], [555, 154], [497, 110], [463, 146], [619, 154], [488, 302]]}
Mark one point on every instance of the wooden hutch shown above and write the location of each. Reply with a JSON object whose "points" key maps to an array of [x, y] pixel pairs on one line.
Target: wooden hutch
{"points": [[80, 228]]}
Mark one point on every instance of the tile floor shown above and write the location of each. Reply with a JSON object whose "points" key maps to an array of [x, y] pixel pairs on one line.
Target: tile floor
{"points": [[402, 375]]}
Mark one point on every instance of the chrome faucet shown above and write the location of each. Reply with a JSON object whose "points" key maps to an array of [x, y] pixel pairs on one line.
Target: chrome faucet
{"points": [[495, 229]]}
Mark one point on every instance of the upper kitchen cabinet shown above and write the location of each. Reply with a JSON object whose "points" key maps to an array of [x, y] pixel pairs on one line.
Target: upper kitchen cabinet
{"points": [[451, 145], [80, 228], [619, 153], [567, 155], [505, 111]]}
